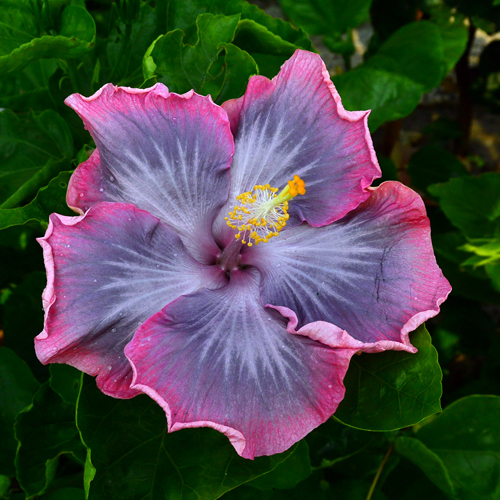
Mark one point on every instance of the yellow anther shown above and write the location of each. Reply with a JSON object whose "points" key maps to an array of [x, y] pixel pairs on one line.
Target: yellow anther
{"points": [[300, 184], [262, 213]]}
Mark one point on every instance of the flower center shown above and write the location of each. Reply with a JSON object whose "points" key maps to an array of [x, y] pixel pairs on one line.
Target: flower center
{"points": [[262, 213]]}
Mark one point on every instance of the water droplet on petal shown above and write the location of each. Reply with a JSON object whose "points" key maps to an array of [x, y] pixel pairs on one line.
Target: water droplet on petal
{"points": [[95, 281], [157, 265], [113, 330], [81, 195], [278, 265], [329, 386], [109, 368], [175, 255], [111, 178], [101, 190]]}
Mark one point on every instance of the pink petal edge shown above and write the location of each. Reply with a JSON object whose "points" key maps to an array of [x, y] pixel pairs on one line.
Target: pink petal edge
{"points": [[333, 336], [49, 298], [83, 171], [73, 100], [48, 295], [235, 437]]}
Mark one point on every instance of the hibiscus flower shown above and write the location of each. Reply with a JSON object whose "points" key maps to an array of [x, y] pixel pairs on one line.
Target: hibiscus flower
{"points": [[229, 261]]}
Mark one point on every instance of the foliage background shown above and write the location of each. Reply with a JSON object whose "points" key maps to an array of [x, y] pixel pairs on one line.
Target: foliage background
{"points": [[430, 71]]}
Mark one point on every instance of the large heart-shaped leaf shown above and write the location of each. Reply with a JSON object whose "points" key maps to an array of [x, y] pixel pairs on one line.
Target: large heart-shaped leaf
{"points": [[181, 66], [49, 199], [471, 203], [414, 51], [33, 151], [17, 388], [22, 42], [392, 389], [389, 96], [135, 457], [460, 449], [323, 17], [46, 430]]}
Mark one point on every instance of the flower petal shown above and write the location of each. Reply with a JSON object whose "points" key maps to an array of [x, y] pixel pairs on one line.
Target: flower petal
{"points": [[217, 358], [107, 272], [168, 154], [296, 124], [372, 274]]}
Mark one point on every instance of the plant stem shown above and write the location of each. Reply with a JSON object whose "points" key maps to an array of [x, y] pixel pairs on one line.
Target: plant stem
{"points": [[379, 472]]}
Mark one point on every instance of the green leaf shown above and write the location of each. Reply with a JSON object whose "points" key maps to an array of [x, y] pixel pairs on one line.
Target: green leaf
{"points": [[183, 67], [282, 29], [240, 66], [65, 380], [390, 96], [454, 34], [17, 388], [466, 439], [89, 470], [314, 487], [392, 389], [17, 25], [407, 482], [493, 271], [432, 164], [387, 16], [289, 473], [33, 151], [465, 281], [183, 14], [4, 486], [415, 451], [135, 457], [45, 431], [23, 318], [486, 250], [414, 51], [22, 44], [49, 199], [471, 203], [334, 442], [126, 48], [28, 89], [267, 49], [324, 17]]}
